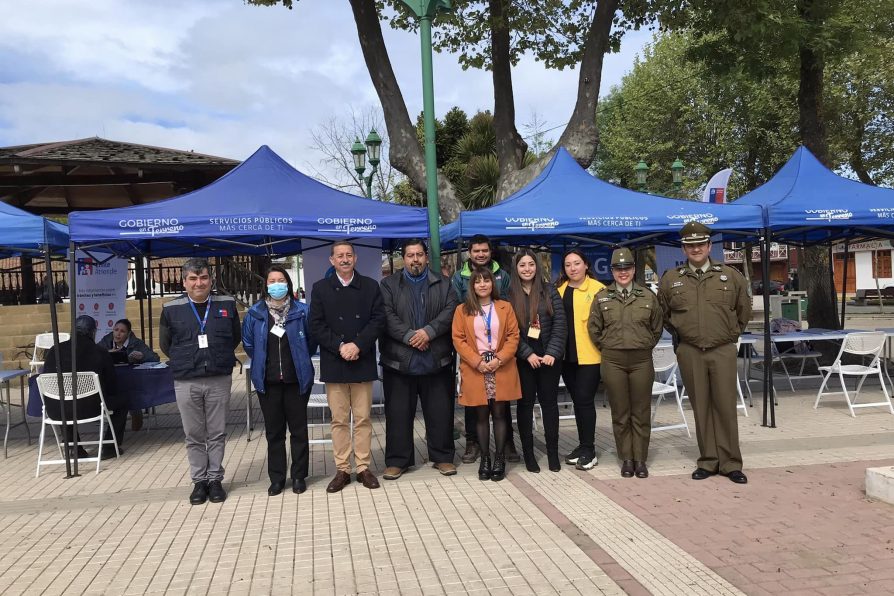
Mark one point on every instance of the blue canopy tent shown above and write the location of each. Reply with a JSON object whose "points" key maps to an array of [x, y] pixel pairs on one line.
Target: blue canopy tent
{"points": [[263, 207], [24, 232], [806, 203], [566, 204]]}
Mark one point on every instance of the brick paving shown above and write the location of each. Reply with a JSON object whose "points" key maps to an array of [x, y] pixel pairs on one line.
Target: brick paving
{"points": [[802, 524]]}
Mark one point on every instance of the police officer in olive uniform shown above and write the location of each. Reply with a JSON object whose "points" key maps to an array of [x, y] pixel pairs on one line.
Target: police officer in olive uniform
{"points": [[625, 324], [706, 307]]}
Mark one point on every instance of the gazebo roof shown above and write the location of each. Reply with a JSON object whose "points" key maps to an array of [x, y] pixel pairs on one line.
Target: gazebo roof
{"points": [[95, 173]]}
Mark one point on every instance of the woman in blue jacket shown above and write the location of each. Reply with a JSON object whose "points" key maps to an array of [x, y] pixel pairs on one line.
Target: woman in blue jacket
{"points": [[275, 335]]}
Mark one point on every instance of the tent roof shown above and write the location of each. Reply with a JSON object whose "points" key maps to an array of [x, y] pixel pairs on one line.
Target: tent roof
{"points": [[23, 231], [808, 203], [263, 206], [566, 203]]}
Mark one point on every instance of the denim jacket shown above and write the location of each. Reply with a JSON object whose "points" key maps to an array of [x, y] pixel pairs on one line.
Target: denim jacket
{"points": [[254, 338]]}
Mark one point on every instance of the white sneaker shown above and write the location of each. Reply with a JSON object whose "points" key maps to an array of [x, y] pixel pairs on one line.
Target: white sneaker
{"points": [[586, 461]]}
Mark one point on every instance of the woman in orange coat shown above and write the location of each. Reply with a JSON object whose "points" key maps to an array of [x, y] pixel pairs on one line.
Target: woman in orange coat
{"points": [[485, 335]]}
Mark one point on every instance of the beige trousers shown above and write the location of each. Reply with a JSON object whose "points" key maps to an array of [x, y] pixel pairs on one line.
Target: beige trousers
{"points": [[345, 399]]}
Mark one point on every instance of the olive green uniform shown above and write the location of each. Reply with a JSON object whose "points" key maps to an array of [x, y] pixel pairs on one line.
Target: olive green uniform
{"points": [[706, 312], [625, 331]]}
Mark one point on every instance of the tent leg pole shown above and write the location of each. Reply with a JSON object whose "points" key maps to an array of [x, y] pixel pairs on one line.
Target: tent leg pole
{"points": [[54, 322], [769, 415], [73, 275], [847, 248]]}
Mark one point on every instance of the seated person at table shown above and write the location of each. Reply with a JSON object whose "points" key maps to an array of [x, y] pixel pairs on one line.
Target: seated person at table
{"points": [[91, 358], [122, 339]]}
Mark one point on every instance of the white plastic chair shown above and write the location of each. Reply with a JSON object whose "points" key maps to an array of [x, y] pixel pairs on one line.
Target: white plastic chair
{"points": [[665, 362], [860, 344], [43, 342], [741, 405], [88, 386]]}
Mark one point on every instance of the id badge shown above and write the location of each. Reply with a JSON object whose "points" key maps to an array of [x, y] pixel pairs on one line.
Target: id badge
{"points": [[534, 332], [203, 341], [278, 331]]}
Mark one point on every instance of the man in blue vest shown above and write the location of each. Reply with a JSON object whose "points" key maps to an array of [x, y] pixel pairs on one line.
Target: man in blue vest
{"points": [[199, 334]]}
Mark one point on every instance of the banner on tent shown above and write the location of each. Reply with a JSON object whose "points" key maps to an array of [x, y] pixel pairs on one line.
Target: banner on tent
{"points": [[101, 289]]}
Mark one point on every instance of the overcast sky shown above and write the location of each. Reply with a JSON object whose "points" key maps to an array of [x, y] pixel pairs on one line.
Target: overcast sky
{"points": [[221, 77]]}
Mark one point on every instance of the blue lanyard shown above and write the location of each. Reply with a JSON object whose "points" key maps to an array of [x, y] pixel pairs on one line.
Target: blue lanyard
{"points": [[490, 313], [196, 313]]}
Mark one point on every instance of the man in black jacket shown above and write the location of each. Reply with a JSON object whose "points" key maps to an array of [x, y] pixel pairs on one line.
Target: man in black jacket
{"points": [[91, 358], [346, 318], [199, 334], [417, 358]]}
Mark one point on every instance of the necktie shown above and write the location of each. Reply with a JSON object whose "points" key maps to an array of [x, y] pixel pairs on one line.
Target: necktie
{"points": [[698, 272], [624, 295]]}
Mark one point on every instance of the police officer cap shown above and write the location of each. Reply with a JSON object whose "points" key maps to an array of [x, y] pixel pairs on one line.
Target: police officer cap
{"points": [[695, 233], [85, 325], [621, 258]]}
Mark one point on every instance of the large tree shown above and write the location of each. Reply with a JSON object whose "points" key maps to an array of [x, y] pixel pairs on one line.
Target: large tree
{"points": [[495, 34], [754, 36]]}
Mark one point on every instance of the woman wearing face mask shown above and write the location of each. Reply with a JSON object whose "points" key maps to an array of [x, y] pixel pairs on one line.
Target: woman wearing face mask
{"points": [[582, 358], [541, 321], [275, 336], [485, 335]]}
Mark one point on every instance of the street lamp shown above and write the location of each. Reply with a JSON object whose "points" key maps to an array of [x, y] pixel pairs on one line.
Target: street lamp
{"points": [[358, 151], [677, 172], [642, 172], [425, 11]]}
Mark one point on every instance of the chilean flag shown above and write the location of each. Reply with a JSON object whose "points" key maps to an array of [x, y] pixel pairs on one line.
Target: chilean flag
{"points": [[715, 191]]}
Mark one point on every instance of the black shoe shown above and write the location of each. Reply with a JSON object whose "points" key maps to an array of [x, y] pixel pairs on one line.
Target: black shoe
{"points": [[275, 489], [510, 453], [499, 471], [298, 485], [484, 469], [641, 470], [738, 477], [571, 458], [587, 460], [701, 474], [216, 492], [108, 452], [199, 493], [552, 459], [627, 468], [473, 451]]}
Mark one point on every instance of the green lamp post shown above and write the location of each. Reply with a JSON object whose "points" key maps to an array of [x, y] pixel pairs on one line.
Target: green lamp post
{"points": [[677, 173], [642, 173], [425, 11], [359, 151]]}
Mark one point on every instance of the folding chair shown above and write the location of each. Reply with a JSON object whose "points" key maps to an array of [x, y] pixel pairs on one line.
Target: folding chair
{"points": [[6, 376], [860, 344], [758, 363], [665, 362], [43, 342], [91, 407], [803, 352]]}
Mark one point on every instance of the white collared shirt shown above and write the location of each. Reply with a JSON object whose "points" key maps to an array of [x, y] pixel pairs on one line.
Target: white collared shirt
{"points": [[344, 283]]}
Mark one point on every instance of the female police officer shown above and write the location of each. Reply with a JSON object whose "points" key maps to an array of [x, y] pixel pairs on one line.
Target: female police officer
{"points": [[626, 323]]}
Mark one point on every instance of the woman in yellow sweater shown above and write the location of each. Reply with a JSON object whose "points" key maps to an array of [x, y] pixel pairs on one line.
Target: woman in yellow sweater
{"points": [[580, 369]]}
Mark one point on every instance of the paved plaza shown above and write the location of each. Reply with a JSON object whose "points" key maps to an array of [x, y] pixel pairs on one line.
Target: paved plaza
{"points": [[801, 526]]}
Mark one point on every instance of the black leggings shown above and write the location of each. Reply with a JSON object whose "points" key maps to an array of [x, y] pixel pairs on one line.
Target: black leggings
{"points": [[499, 411], [541, 384], [582, 381]]}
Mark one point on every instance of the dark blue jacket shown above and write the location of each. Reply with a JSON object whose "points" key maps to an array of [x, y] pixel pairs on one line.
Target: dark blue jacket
{"points": [[178, 335], [255, 331]]}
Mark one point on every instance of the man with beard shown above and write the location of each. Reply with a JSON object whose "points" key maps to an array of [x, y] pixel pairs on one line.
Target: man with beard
{"points": [[417, 360]]}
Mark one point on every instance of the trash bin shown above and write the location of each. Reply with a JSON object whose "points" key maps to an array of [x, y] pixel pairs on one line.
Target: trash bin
{"points": [[790, 309]]}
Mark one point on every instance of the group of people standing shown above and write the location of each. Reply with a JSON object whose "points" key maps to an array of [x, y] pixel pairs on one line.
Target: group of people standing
{"points": [[515, 334]]}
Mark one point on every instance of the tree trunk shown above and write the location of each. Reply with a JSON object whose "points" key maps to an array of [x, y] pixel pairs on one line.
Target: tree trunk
{"points": [[405, 153], [511, 148], [822, 310], [581, 135]]}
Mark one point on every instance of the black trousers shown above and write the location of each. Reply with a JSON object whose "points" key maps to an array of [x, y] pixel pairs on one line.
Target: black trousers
{"points": [[283, 405], [582, 381], [541, 384], [435, 391]]}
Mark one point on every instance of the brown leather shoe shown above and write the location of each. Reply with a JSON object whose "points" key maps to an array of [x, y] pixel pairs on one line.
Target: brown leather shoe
{"points": [[367, 479], [473, 451], [445, 468], [641, 470], [627, 468], [393, 473], [341, 480]]}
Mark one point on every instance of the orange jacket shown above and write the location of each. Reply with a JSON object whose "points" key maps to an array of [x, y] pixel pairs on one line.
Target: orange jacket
{"points": [[472, 391]]}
